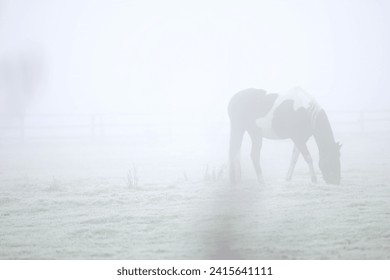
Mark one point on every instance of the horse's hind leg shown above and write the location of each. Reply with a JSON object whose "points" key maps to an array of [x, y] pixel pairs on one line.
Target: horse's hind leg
{"points": [[306, 155], [293, 162], [236, 135], [257, 140]]}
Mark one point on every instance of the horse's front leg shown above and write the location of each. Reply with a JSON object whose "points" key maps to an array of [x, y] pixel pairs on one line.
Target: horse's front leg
{"points": [[293, 162], [257, 140], [306, 155]]}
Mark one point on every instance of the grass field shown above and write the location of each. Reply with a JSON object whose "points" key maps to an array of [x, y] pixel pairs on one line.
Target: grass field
{"points": [[75, 201]]}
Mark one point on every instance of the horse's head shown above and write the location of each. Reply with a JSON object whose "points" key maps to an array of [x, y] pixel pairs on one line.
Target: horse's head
{"points": [[330, 164]]}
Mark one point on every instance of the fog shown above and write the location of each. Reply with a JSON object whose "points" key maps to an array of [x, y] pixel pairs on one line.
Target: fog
{"points": [[189, 58], [143, 86]]}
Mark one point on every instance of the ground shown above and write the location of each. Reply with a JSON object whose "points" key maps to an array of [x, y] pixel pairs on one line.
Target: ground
{"points": [[73, 201]]}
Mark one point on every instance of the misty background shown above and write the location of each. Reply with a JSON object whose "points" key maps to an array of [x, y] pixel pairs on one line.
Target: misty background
{"points": [[188, 58], [99, 97]]}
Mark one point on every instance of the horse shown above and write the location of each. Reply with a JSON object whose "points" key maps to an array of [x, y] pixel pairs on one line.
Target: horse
{"points": [[294, 115]]}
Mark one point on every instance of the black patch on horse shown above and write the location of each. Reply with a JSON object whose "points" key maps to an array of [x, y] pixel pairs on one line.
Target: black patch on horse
{"points": [[290, 123], [248, 105]]}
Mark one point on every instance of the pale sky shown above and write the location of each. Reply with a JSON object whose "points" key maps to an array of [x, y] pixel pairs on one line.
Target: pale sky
{"points": [[190, 57]]}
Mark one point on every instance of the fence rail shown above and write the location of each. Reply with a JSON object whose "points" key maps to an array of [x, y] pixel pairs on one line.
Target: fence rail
{"points": [[92, 126], [45, 126]]}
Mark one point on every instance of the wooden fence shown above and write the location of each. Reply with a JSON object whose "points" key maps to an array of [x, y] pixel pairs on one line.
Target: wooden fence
{"points": [[86, 126], [360, 121], [103, 126]]}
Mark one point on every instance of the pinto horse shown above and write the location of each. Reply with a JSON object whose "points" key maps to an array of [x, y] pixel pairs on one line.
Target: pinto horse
{"points": [[293, 115]]}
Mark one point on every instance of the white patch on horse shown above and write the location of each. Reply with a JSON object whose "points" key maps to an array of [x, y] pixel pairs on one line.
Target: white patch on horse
{"points": [[265, 124], [300, 98], [313, 111]]}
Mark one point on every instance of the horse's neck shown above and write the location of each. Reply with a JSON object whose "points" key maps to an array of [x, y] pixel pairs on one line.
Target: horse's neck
{"points": [[323, 133]]}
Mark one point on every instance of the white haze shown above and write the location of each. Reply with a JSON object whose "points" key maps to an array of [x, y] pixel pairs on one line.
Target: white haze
{"points": [[188, 58], [95, 93]]}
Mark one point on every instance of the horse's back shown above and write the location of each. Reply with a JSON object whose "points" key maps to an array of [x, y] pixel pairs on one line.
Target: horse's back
{"points": [[250, 104], [278, 116], [294, 114], [299, 97]]}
